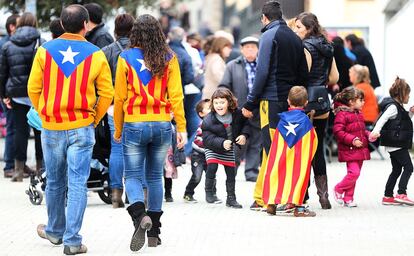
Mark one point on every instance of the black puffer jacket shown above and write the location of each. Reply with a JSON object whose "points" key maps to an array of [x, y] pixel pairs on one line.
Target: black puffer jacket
{"points": [[322, 54], [99, 36], [214, 132], [16, 61]]}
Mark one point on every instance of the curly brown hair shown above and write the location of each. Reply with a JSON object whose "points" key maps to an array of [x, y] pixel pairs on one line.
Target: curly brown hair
{"points": [[147, 34], [224, 93]]}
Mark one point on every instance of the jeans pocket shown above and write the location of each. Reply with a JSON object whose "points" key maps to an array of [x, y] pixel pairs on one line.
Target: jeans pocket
{"points": [[166, 135], [85, 137], [49, 139], [132, 136]]}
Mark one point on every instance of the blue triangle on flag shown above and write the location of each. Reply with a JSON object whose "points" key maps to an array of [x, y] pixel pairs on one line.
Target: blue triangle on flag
{"points": [[68, 54], [135, 58], [293, 125]]}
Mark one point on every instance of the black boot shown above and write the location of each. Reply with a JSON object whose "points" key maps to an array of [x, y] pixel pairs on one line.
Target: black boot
{"points": [[210, 188], [154, 233], [231, 195], [141, 222], [321, 182], [168, 187]]}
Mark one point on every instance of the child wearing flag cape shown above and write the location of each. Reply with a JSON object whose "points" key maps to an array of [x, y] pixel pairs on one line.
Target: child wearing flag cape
{"points": [[293, 147]]}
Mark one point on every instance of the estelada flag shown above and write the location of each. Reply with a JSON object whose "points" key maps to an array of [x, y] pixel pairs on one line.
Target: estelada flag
{"points": [[291, 152]]}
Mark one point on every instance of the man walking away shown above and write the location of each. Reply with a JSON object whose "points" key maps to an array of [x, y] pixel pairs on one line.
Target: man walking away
{"points": [[70, 87]]}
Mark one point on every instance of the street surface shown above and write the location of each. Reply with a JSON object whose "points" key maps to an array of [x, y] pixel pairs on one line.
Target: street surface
{"points": [[203, 229]]}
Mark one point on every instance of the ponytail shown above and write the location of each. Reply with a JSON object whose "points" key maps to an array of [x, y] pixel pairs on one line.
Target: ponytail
{"points": [[348, 94], [399, 90]]}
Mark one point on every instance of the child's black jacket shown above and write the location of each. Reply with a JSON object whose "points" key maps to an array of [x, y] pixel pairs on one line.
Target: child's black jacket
{"points": [[214, 132]]}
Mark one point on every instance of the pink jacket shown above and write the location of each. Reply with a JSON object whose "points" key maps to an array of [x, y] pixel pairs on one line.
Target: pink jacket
{"points": [[348, 126]]}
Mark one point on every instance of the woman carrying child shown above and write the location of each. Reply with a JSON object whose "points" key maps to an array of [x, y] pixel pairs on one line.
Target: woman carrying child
{"points": [[223, 128]]}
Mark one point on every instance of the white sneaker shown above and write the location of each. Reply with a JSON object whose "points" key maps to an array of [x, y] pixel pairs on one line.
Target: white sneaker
{"points": [[350, 204]]}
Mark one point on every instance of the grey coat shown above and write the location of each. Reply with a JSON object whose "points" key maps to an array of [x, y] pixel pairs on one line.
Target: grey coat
{"points": [[235, 79]]}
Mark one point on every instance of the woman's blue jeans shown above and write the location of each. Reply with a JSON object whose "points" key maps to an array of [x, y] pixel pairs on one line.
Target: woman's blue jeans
{"points": [[67, 156], [145, 146]]}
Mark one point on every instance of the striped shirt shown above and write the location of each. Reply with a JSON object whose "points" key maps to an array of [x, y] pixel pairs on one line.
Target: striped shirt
{"points": [[142, 97], [67, 74]]}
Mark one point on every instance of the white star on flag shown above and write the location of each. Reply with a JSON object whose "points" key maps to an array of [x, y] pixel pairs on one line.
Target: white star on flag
{"points": [[143, 67], [68, 55], [291, 128]]}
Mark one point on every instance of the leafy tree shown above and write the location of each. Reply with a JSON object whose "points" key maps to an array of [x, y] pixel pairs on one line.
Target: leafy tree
{"points": [[48, 9]]}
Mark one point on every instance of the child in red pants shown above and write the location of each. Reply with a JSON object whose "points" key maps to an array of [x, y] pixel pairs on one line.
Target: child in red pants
{"points": [[352, 137]]}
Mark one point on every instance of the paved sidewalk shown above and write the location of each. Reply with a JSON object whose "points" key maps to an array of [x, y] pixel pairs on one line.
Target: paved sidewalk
{"points": [[201, 229]]}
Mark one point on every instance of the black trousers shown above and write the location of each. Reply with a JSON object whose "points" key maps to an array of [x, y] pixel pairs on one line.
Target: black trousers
{"points": [[230, 172], [318, 162], [399, 159], [198, 166], [22, 133]]}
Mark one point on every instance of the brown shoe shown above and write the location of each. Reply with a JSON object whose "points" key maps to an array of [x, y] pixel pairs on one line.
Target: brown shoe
{"points": [[8, 173], [303, 212], [42, 233], [72, 250], [271, 209], [117, 198]]}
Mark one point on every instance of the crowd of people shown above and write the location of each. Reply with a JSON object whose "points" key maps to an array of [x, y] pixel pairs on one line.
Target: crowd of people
{"points": [[168, 95]]}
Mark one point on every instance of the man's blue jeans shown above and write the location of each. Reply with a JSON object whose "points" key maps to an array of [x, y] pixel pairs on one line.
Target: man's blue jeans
{"points": [[193, 120], [145, 147], [67, 156], [116, 160], [9, 151]]}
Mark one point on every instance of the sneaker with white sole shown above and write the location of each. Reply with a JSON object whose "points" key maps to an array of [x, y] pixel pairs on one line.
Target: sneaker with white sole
{"points": [[350, 204], [403, 199], [338, 197], [190, 199], [389, 201]]}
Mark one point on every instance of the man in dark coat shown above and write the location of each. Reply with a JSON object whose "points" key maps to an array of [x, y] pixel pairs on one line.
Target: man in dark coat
{"points": [[364, 57], [11, 23], [176, 36], [98, 34], [239, 78], [281, 65]]}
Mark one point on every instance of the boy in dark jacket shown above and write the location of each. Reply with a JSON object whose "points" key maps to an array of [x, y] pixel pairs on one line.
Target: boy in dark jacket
{"points": [[198, 158]]}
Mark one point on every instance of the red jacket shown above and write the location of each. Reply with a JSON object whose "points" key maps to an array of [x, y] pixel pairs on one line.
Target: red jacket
{"points": [[348, 126]]}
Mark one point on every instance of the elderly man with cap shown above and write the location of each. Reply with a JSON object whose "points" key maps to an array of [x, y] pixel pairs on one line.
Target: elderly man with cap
{"points": [[239, 78]]}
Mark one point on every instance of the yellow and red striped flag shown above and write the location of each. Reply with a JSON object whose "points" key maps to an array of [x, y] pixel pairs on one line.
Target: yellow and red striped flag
{"points": [[291, 152]]}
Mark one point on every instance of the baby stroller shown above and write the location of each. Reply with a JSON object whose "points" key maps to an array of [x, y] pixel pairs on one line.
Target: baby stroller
{"points": [[99, 175]]}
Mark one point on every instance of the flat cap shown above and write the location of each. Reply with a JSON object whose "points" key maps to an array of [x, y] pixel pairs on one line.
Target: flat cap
{"points": [[249, 40]]}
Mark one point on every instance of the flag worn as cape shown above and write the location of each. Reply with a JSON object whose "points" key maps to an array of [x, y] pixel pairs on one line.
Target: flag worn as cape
{"points": [[291, 152]]}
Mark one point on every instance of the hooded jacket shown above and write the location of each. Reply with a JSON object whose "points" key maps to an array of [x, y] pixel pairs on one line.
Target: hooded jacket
{"points": [[16, 61], [348, 126], [322, 53]]}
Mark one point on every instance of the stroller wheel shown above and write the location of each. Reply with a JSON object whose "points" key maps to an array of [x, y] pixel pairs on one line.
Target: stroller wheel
{"points": [[36, 197]]}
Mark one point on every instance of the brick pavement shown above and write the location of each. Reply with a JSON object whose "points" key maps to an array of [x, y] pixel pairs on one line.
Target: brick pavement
{"points": [[201, 229]]}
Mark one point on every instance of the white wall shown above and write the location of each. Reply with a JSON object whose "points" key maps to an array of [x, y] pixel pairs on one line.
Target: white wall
{"points": [[399, 50], [346, 13]]}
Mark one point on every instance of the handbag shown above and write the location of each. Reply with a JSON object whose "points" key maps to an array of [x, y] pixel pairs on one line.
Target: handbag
{"points": [[318, 100]]}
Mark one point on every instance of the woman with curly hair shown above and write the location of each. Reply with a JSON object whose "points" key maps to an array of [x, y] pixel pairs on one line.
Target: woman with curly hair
{"points": [[147, 91]]}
